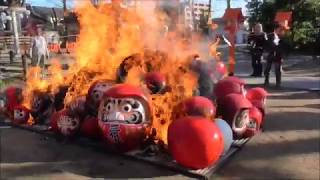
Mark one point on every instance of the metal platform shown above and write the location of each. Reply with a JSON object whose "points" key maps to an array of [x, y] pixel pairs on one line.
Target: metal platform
{"points": [[161, 159]]}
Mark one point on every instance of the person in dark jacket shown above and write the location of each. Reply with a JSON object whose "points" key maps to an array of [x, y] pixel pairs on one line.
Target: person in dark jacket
{"points": [[276, 50], [257, 40]]}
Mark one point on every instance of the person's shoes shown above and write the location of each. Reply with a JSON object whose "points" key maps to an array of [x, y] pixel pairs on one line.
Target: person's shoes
{"points": [[266, 84], [278, 86], [252, 75]]}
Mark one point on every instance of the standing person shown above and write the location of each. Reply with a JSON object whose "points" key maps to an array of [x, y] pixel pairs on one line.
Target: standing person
{"points": [[276, 49], [39, 49], [257, 41]]}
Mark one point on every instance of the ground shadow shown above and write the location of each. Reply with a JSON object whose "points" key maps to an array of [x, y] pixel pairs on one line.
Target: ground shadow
{"points": [[55, 157], [296, 95], [241, 172], [281, 121]]}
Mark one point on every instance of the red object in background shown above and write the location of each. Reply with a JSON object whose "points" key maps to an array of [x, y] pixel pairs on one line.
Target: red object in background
{"points": [[54, 47], [13, 98], [90, 128], [71, 46], [233, 17], [227, 86], [20, 114], [284, 19], [62, 123], [196, 106], [195, 142], [254, 125], [234, 108], [155, 81]]}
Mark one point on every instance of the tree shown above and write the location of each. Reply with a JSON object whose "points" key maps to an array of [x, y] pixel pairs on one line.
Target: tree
{"points": [[304, 33]]}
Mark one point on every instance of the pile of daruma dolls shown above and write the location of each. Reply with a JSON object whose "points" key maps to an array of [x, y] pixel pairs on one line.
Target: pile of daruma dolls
{"points": [[120, 115]]}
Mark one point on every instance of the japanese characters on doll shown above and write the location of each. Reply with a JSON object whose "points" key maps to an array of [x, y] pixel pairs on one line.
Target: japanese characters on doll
{"points": [[42, 107], [20, 115], [195, 142], [226, 133], [95, 94], [254, 125], [124, 116], [235, 110], [195, 106], [155, 82], [90, 128], [62, 123]]}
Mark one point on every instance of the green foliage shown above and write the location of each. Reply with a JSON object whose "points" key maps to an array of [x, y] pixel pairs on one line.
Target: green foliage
{"points": [[306, 19], [1, 84]]}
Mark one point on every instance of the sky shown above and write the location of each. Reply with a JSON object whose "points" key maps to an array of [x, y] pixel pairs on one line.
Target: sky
{"points": [[218, 6]]}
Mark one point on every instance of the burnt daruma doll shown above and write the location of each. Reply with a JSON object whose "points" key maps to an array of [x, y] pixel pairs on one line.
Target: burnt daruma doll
{"points": [[254, 125], [124, 116], [155, 82], [77, 108], [12, 97], [64, 124], [95, 94], [235, 111], [195, 106], [59, 97], [42, 107], [20, 115]]}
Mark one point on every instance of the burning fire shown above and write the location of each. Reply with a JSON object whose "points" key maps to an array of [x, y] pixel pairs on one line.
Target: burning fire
{"points": [[108, 35]]}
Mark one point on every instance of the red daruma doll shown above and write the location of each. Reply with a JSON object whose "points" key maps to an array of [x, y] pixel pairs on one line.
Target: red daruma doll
{"points": [[124, 117], [195, 142]]}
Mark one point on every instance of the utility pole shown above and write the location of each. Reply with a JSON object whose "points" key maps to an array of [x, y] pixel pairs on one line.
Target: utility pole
{"points": [[210, 8], [228, 4]]}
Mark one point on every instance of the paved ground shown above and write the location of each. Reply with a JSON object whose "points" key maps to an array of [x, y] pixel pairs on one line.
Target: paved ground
{"points": [[288, 149]]}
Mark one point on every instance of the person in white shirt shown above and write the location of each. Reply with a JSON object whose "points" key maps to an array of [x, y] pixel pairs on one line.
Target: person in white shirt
{"points": [[39, 50]]}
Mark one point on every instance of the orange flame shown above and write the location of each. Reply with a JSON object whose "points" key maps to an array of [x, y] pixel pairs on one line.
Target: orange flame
{"points": [[109, 34]]}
